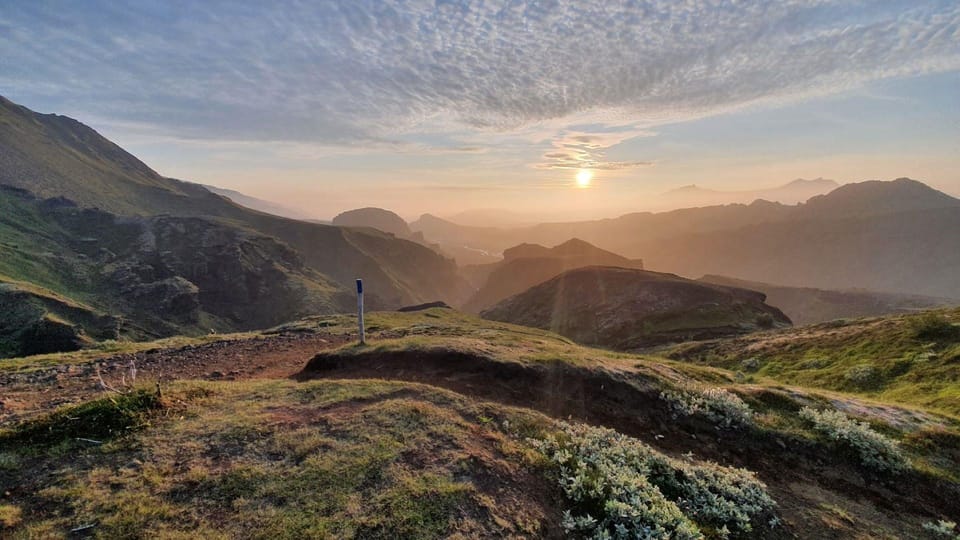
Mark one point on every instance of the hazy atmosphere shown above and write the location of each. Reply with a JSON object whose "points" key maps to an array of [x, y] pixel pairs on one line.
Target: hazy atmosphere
{"points": [[416, 106], [457, 269]]}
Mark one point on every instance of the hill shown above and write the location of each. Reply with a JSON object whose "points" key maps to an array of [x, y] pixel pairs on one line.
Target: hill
{"points": [[526, 265], [807, 305], [627, 309], [377, 218], [63, 162], [154, 276], [481, 429], [904, 358]]}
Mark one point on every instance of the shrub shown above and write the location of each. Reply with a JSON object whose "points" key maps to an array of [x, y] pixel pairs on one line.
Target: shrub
{"points": [[718, 405], [876, 451], [934, 326], [864, 376], [942, 529], [10, 516], [765, 320], [750, 364], [621, 488]]}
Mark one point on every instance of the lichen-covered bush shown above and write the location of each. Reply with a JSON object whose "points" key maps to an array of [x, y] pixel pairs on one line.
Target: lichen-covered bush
{"points": [[727, 410], [875, 450], [942, 529], [864, 376], [619, 487]]}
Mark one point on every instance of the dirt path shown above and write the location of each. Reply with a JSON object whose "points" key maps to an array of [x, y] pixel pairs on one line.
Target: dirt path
{"points": [[23, 395]]}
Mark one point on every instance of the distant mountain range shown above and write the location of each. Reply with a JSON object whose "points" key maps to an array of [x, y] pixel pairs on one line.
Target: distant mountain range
{"points": [[897, 236], [626, 309], [794, 192], [88, 224], [261, 205]]}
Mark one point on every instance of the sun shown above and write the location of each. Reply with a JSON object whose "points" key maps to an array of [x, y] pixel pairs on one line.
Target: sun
{"points": [[584, 177]]}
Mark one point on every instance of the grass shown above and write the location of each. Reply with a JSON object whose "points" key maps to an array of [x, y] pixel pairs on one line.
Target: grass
{"points": [[276, 459], [908, 359], [104, 419], [379, 459]]}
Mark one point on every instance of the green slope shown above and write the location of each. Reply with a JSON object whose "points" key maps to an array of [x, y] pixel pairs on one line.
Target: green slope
{"points": [[904, 358], [106, 276], [56, 156]]}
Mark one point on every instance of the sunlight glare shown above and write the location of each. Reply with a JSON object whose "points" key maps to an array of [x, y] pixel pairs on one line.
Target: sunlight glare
{"points": [[584, 177]]}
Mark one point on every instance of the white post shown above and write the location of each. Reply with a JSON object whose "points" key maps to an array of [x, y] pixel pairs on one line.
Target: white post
{"points": [[363, 339]]}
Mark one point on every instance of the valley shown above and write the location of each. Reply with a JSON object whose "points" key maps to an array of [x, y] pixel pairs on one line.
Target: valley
{"points": [[181, 362]]}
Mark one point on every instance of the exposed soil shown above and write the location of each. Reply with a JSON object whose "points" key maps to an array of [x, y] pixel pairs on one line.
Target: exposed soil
{"points": [[791, 468], [271, 357]]}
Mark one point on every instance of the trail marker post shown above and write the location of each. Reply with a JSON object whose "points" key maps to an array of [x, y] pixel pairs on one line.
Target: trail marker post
{"points": [[363, 338]]}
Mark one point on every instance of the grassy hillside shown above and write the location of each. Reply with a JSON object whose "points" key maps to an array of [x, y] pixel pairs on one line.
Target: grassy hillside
{"points": [[474, 430], [55, 156], [808, 305], [75, 275], [906, 358]]}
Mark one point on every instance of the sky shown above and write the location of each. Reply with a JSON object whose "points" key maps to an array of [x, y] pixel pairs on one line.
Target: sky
{"points": [[554, 109]]}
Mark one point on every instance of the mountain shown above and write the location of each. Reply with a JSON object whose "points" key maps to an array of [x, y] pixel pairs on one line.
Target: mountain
{"points": [[625, 309], [468, 245], [526, 265], [260, 205], [897, 236], [794, 192], [490, 217], [876, 198], [54, 161], [623, 234], [808, 305], [81, 274], [376, 218]]}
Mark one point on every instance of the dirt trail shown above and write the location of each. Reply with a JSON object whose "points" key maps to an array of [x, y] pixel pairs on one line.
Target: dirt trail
{"points": [[23, 395]]}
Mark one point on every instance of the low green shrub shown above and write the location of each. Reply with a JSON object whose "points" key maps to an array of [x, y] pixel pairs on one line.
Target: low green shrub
{"points": [[100, 419], [934, 326], [619, 487], [725, 409], [864, 377], [876, 451]]}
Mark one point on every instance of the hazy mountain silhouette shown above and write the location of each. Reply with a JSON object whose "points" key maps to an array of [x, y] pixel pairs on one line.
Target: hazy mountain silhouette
{"points": [[896, 236], [625, 308], [794, 192], [377, 218], [254, 203], [526, 265]]}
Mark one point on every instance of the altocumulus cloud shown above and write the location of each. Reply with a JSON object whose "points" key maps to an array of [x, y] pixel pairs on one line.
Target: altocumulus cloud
{"points": [[343, 72]]}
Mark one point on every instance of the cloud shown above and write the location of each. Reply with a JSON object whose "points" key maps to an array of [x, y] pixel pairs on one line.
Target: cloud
{"points": [[372, 71], [587, 150]]}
